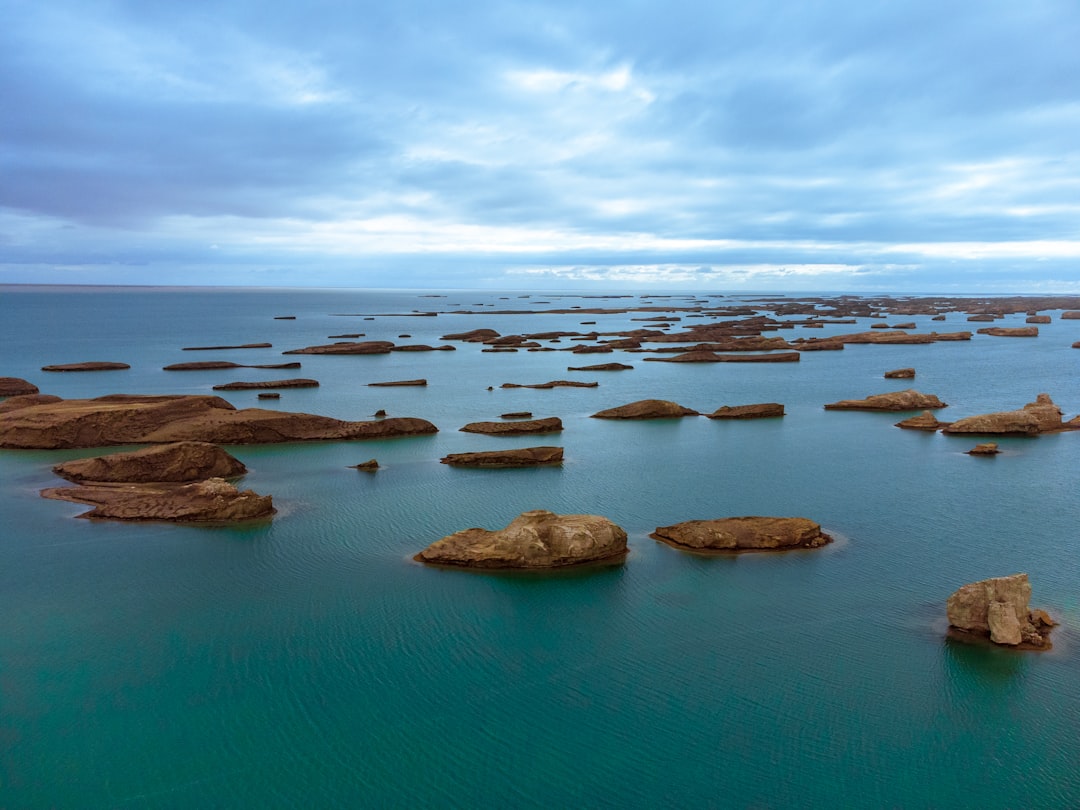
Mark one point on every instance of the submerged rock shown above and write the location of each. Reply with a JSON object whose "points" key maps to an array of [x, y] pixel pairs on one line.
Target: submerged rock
{"points": [[750, 533], [533, 540], [646, 409], [998, 609], [296, 382], [371, 465], [212, 501], [179, 462], [553, 384], [517, 457], [602, 367], [907, 400], [91, 366], [399, 383]]}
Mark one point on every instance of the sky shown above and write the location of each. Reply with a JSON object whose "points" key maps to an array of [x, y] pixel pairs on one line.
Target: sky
{"points": [[787, 145]]}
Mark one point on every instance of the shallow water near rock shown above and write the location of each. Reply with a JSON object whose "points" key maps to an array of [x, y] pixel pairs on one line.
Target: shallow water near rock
{"points": [[308, 661]]}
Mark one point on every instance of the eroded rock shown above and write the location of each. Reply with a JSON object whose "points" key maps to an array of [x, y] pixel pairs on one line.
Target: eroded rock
{"points": [[1040, 416], [751, 533], [533, 540], [16, 387], [211, 501], [646, 409], [551, 424], [516, 457], [762, 410], [907, 400], [998, 609], [179, 462]]}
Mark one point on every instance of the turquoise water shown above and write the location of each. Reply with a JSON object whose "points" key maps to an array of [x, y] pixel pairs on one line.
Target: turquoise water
{"points": [[309, 660]]}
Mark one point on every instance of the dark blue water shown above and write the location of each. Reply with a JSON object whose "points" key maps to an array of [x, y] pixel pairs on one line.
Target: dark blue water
{"points": [[309, 661]]}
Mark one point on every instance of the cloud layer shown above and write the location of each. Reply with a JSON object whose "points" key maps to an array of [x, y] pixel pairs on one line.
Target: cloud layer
{"points": [[780, 145]]}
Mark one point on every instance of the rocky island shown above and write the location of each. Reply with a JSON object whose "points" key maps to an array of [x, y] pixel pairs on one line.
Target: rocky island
{"points": [[998, 609], [751, 533]]}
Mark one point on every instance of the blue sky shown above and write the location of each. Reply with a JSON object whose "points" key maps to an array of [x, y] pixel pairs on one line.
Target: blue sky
{"points": [[797, 145]]}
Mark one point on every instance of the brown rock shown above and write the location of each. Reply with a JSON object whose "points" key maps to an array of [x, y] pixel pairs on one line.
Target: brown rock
{"points": [[371, 465], [924, 421], [984, 449], [743, 534], [907, 400], [16, 387], [269, 396], [475, 336], [26, 400], [216, 348], [1070, 315], [700, 356], [553, 384], [398, 383], [1005, 331], [601, 367], [516, 415], [179, 462], [646, 409], [761, 410], [213, 501], [551, 424], [536, 539], [298, 382], [900, 374], [518, 457], [1037, 319], [998, 609], [131, 419], [92, 366], [981, 318], [1040, 416], [348, 347], [211, 365]]}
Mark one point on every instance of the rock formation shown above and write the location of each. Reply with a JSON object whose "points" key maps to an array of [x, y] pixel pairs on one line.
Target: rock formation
{"points": [[744, 534], [551, 424], [762, 410], [705, 356], [1006, 331], [213, 365], [900, 374], [179, 462], [90, 366], [518, 457], [984, 449], [214, 501], [516, 415], [646, 409], [553, 384], [924, 421], [399, 383], [348, 347], [26, 400], [536, 539], [998, 608], [133, 419], [907, 400], [218, 348], [371, 465], [296, 382], [601, 367], [16, 387], [1040, 416]]}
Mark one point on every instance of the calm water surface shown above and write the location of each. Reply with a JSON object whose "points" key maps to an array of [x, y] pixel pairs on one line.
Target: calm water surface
{"points": [[308, 660]]}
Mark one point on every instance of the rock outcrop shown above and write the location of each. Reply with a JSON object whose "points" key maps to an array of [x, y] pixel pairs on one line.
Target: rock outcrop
{"points": [[534, 540], [1040, 416], [602, 367], [348, 347], [998, 609], [984, 449], [706, 356], [1010, 331], [90, 366], [900, 374], [751, 533], [213, 365], [16, 387], [296, 382], [211, 501], [907, 400], [26, 400], [219, 348], [399, 384], [517, 457], [646, 409], [553, 384], [134, 419], [762, 410], [551, 424], [177, 463], [924, 421]]}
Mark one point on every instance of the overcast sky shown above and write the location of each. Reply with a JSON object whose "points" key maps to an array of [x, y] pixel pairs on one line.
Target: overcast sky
{"points": [[794, 145]]}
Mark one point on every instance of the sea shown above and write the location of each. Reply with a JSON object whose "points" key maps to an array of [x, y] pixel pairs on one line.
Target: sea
{"points": [[308, 661]]}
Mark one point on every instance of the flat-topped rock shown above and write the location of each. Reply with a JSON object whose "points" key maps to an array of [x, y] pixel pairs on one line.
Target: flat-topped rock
{"points": [[907, 400], [222, 348], [924, 421], [89, 366], [1040, 416], [998, 609], [16, 387], [26, 400], [534, 540], [178, 462], [553, 384], [517, 457], [213, 365], [551, 424], [761, 410], [646, 409], [347, 347], [516, 415], [984, 449], [900, 374], [399, 383], [751, 533], [297, 382], [212, 501], [473, 336], [1037, 319], [134, 419], [602, 367], [1010, 331], [706, 356]]}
